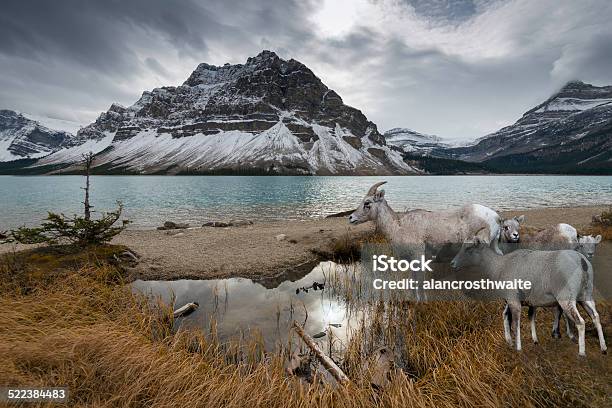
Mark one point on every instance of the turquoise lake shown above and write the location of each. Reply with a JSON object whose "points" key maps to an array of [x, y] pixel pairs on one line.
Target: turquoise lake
{"points": [[150, 200]]}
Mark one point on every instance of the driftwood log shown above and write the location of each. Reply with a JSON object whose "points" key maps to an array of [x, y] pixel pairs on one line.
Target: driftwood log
{"points": [[326, 361], [185, 310]]}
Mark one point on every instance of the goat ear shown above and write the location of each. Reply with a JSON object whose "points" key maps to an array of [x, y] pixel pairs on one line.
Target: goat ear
{"points": [[598, 239], [520, 219], [379, 195]]}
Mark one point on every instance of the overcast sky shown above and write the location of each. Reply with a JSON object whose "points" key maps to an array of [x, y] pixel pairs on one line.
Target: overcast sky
{"points": [[455, 68]]}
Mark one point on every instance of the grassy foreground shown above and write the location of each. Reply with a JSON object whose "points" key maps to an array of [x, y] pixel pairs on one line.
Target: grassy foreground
{"points": [[74, 323]]}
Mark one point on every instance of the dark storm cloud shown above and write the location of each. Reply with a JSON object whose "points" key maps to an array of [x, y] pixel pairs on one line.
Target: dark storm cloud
{"points": [[97, 33], [458, 68], [73, 58], [155, 66]]}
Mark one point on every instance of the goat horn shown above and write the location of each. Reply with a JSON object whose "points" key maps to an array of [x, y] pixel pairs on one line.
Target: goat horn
{"points": [[373, 189]]}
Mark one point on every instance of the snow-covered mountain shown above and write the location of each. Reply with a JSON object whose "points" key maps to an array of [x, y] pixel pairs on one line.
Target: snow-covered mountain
{"points": [[411, 141], [268, 116], [67, 126], [272, 116], [569, 132], [24, 138]]}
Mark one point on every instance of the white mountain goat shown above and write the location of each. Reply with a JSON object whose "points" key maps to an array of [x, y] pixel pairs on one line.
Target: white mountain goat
{"points": [[587, 244], [412, 233], [559, 236], [561, 278], [510, 233], [563, 236], [556, 237], [416, 228], [511, 229]]}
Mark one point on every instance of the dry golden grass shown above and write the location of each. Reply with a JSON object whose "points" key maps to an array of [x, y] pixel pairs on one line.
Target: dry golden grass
{"points": [[602, 225], [112, 348], [605, 217], [348, 247], [22, 271], [604, 230]]}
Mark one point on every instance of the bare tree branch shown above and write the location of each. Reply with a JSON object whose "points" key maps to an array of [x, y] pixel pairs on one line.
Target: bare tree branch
{"points": [[88, 160]]}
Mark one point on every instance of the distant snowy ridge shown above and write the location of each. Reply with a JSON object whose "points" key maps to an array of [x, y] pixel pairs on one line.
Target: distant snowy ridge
{"points": [[55, 124], [572, 104], [569, 132], [411, 141], [24, 138]]}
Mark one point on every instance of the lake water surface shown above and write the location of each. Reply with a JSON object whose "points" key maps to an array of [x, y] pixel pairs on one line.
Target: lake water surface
{"points": [[240, 307], [150, 200]]}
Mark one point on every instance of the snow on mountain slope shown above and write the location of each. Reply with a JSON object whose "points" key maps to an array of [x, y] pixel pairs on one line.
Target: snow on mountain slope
{"points": [[24, 138], [75, 153], [276, 148], [56, 124], [572, 104], [412, 141], [574, 96], [268, 116], [551, 133]]}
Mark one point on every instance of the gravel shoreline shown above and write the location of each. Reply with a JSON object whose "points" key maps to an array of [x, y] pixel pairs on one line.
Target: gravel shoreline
{"points": [[254, 251], [267, 251]]}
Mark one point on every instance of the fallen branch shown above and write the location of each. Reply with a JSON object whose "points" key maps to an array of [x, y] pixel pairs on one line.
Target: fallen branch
{"points": [[326, 361], [184, 310]]}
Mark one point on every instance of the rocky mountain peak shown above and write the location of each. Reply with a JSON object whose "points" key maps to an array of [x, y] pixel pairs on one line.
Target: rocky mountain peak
{"points": [[10, 118], [581, 90], [576, 84], [265, 57], [269, 114], [206, 74], [572, 97]]}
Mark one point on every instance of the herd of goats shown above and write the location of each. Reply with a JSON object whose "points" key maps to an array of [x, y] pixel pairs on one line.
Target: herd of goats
{"points": [[557, 261]]}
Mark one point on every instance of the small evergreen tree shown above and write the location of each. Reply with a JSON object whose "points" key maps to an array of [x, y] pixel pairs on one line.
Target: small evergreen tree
{"points": [[76, 230]]}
